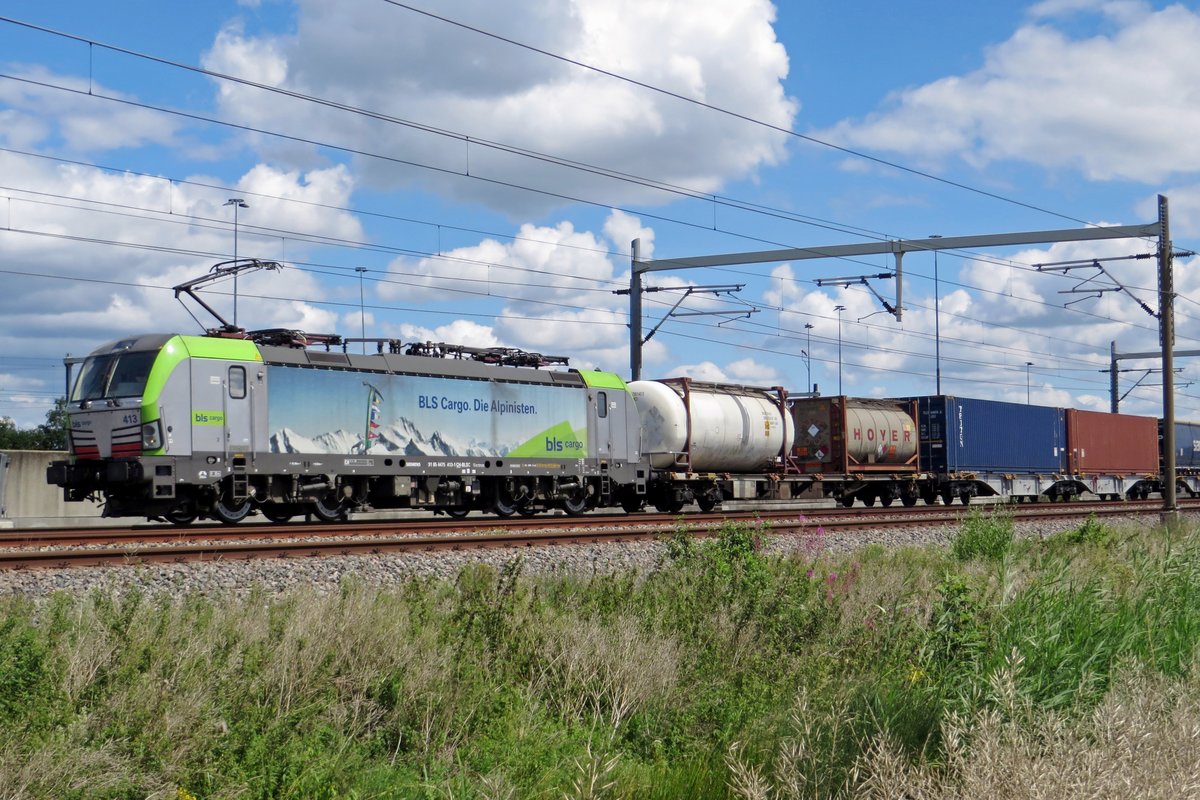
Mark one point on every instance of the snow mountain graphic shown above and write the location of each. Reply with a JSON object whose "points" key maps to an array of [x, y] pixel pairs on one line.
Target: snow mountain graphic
{"points": [[402, 437]]}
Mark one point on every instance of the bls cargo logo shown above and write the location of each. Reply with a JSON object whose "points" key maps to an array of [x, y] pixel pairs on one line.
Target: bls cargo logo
{"points": [[208, 417], [556, 445]]}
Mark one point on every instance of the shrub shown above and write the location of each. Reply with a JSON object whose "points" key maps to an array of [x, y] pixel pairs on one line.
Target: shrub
{"points": [[985, 536], [1092, 531]]}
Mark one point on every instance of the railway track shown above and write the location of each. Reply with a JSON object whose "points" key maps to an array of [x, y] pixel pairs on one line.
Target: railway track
{"points": [[63, 548]]}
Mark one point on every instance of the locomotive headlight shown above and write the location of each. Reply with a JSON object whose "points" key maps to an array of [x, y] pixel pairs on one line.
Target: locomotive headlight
{"points": [[151, 435]]}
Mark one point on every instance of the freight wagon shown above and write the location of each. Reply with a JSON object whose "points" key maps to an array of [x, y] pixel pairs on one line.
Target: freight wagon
{"points": [[983, 448]]}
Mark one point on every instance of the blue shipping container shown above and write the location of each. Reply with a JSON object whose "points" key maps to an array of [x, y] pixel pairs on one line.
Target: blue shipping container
{"points": [[960, 434], [1187, 444]]}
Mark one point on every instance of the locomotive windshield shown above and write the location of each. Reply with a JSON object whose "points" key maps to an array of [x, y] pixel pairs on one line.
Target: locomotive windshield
{"points": [[114, 375]]}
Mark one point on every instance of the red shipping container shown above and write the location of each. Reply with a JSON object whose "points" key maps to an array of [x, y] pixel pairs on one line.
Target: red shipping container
{"points": [[1111, 444]]}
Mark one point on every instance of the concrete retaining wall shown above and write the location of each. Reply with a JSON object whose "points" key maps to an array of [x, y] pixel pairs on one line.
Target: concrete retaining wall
{"points": [[29, 501]]}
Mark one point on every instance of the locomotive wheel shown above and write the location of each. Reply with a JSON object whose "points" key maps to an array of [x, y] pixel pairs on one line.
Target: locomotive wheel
{"points": [[279, 512], [457, 513], [329, 509], [576, 503], [503, 504], [528, 510], [182, 516], [229, 513]]}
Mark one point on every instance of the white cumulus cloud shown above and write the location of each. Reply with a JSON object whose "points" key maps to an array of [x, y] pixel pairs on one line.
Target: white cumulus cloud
{"points": [[1119, 104]]}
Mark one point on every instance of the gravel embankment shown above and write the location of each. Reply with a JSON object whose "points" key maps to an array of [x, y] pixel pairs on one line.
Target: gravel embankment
{"points": [[326, 574]]}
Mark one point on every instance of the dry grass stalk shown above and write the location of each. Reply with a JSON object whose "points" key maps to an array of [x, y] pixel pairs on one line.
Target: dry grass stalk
{"points": [[593, 781], [606, 671]]}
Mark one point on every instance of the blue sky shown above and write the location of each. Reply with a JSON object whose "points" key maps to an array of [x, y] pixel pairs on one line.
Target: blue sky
{"points": [[432, 154]]}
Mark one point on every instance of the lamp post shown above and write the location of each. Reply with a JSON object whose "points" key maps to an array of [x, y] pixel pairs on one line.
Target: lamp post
{"points": [[808, 354], [937, 320], [1028, 364], [362, 314], [839, 309], [237, 203]]}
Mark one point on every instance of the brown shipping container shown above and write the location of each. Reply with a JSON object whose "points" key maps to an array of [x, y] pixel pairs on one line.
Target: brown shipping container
{"points": [[1111, 444], [838, 435]]}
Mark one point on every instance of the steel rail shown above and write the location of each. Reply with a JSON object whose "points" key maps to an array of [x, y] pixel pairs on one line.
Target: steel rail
{"points": [[62, 537], [210, 551]]}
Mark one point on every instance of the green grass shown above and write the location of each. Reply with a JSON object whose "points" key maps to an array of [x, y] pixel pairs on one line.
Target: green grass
{"points": [[721, 673]]}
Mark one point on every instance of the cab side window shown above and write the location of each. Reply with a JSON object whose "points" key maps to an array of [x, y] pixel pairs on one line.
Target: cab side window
{"points": [[602, 404], [237, 382]]}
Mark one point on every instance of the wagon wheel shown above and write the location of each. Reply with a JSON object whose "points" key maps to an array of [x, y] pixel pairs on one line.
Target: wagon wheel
{"points": [[868, 500], [669, 505], [707, 502], [632, 502], [909, 500], [847, 501], [885, 500]]}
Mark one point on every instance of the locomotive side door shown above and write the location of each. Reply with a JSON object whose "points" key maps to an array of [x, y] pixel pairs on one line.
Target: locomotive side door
{"points": [[238, 408], [208, 406], [221, 407], [603, 428]]}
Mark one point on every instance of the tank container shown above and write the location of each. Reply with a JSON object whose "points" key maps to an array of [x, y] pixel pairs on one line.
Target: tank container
{"points": [[705, 427], [844, 434]]}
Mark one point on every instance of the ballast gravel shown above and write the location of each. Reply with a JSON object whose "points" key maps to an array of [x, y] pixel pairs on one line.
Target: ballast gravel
{"points": [[326, 574]]}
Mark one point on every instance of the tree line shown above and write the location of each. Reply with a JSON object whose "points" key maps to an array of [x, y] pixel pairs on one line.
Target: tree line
{"points": [[50, 435]]}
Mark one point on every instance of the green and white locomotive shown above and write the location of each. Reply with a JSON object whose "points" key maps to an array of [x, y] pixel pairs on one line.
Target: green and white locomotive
{"points": [[180, 427]]}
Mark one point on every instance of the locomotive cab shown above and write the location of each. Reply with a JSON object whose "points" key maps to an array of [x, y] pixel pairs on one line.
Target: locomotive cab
{"points": [[137, 413], [110, 425], [105, 404]]}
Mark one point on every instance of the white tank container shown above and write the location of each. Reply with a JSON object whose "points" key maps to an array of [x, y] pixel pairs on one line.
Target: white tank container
{"points": [[734, 428]]}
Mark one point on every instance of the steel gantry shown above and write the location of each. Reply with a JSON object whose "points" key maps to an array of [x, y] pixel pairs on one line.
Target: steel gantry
{"points": [[1159, 230]]}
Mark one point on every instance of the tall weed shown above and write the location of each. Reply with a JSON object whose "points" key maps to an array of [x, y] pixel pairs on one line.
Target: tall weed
{"points": [[722, 672], [985, 536]]}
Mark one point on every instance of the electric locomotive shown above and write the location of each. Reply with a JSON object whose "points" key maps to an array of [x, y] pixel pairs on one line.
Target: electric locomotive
{"points": [[179, 427]]}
